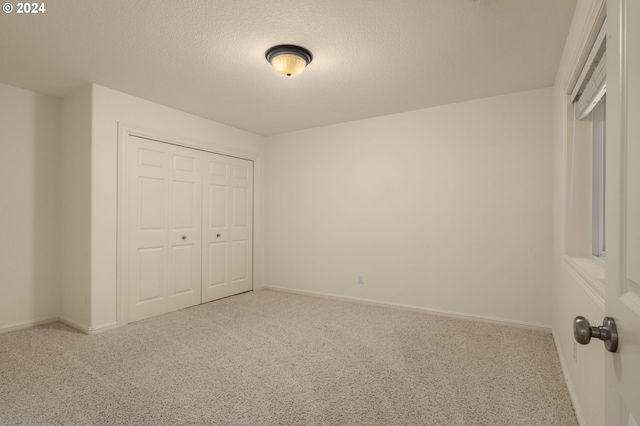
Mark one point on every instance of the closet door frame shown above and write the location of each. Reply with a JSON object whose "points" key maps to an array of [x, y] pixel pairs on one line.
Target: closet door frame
{"points": [[124, 132]]}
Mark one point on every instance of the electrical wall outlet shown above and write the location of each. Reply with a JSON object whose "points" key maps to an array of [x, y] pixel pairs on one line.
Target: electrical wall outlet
{"points": [[360, 279]]}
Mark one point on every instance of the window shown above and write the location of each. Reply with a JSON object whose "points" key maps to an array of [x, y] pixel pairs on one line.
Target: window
{"points": [[586, 221], [598, 175]]}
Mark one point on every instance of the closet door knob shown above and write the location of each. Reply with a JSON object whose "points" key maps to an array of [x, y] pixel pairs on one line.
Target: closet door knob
{"points": [[184, 237], [218, 235]]}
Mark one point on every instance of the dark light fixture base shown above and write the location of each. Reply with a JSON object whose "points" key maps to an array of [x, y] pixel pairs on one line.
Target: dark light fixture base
{"points": [[288, 49]]}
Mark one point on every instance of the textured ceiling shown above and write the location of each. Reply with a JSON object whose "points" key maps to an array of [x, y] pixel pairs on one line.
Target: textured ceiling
{"points": [[206, 57]]}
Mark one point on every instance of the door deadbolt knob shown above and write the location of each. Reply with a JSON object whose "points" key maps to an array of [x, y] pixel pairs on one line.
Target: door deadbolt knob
{"points": [[184, 237], [607, 332]]}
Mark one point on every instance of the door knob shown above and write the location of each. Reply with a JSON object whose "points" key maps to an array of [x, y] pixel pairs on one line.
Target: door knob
{"points": [[607, 332], [184, 237], [218, 235]]}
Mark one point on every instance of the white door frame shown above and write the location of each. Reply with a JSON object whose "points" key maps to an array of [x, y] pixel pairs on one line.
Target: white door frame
{"points": [[621, 391], [126, 130], [622, 375]]}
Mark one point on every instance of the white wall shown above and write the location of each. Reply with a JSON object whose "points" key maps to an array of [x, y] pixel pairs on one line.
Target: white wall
{"points": [[76, 181], [109, 108], [30, 207], [446, 208], [571, 295]]}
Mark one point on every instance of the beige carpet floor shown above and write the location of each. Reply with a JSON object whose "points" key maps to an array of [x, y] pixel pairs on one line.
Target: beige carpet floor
{"points": [[273, 358]]}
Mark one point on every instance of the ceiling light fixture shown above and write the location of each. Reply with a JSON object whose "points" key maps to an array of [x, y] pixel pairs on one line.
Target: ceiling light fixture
{"points": [[287, 59]]}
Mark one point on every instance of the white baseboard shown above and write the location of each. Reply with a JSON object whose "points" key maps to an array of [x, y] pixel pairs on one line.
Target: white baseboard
{"points": [[451, 314], [75, 325], [89, 330], [104, 327], [26, 324], [565, 373]]}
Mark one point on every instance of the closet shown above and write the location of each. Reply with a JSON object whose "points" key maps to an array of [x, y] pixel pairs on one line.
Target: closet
{"points": [[189, 227]]}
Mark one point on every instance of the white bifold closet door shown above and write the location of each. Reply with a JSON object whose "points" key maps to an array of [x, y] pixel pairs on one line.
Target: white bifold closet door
{"points": [[189, 227], [227, 238]]}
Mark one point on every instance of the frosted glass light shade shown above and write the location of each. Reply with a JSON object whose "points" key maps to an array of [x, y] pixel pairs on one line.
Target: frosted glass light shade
{"points": [[288, 60], [289, 65]]}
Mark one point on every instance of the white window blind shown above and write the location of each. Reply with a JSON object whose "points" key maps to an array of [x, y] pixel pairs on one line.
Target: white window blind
{"points": [[588, 90], [594, 90], [588, 98], [592, 83]]}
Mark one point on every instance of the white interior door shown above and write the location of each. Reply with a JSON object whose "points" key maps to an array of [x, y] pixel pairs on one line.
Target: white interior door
{"points": [[227, 239], [623, 211], [163, 198], [146, 187], [185, 228]]}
